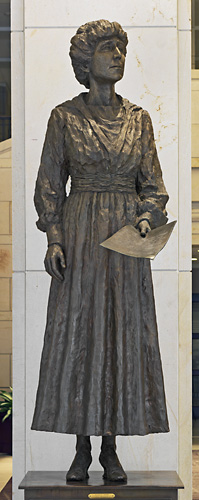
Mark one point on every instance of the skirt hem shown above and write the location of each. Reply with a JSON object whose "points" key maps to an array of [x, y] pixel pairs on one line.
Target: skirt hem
{"points": [[86, 433]]}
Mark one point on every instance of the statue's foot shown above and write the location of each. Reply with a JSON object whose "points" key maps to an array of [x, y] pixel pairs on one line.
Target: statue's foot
{"points": [[113, 470], [79, 468]]}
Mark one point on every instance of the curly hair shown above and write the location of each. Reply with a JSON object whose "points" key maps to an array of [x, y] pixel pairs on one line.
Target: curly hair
{"points": [[84, 42]]}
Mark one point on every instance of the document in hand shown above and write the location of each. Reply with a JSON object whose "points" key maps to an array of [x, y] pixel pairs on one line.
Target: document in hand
{"points": [[128, 241]]}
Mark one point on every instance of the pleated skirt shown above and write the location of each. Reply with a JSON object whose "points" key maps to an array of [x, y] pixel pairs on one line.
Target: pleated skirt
{"points": [[101, 370]]}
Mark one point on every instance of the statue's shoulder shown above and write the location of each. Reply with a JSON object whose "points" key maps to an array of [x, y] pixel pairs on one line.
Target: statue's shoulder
{"points": [[142, 113], [134, 108], [59, 115], [130, 105], [63, 108], [69, 106]]}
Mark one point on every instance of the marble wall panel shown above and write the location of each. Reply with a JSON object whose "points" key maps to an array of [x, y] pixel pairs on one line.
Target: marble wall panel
{"points": [[194, 162], [195, 84], [4, 370], [195, 106], [5, 150], [18, 172], [19, 383], [184, 223], [6, 338], [195, 184], [5, 261], [184, 14], [153, 13], [154, 90], [4, 217], [194, 140], [5, 294], [17, 15], [6, 184], [49, 451], [195, 79], [185, 385]]}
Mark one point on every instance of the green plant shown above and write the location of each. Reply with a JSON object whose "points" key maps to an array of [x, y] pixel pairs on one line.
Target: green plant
{"points": [[6, 404]]}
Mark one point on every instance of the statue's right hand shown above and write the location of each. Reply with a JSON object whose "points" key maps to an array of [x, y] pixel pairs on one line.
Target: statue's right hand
{"points": [[55, 262], [144, 227]]}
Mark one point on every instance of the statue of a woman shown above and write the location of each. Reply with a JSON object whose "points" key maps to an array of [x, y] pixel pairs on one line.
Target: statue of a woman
{"points": [[100, 369]]}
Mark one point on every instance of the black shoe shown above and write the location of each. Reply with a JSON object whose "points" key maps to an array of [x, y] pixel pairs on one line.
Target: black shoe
{"points": [[113, 470], [79, 468]]}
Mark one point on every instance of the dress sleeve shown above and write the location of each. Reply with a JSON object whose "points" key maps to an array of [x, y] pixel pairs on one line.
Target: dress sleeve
{"points": [[52, 176], [150, 186]]}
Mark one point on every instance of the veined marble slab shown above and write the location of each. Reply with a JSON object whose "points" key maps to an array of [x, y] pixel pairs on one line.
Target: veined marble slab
{"points": [[153, 13], [18, 151]]}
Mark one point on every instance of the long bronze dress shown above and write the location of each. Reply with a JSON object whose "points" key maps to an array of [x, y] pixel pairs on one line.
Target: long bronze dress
{"points": [[101, 370]]}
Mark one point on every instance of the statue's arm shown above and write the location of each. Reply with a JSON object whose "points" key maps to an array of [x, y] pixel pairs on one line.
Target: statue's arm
{"points": [[50, 194], [150, 186]]}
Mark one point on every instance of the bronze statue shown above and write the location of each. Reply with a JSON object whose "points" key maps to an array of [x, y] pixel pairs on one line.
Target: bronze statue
{"points": [[100, 370]]}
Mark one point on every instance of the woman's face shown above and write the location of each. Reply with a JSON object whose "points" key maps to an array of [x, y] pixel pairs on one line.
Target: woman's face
{"points": [[107, 64]]}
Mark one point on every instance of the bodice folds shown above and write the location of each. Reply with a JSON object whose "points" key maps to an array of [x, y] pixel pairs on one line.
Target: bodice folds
{"points": [[117, 155]]}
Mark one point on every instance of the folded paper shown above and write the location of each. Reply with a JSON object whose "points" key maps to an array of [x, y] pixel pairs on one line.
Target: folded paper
{"points": [[128, 241]]}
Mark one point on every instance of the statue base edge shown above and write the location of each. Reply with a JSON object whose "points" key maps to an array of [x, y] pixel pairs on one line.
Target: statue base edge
{"points": [[142, 485]]}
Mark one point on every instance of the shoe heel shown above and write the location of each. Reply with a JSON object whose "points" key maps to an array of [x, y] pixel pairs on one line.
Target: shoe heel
{"points": [[105, 473]]}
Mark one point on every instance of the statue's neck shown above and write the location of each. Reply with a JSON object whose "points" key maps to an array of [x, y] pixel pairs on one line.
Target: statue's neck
{"points": [[102, 94]]}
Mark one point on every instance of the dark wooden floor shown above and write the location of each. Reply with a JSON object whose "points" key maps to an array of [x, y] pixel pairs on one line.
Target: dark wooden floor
{"points": [[195, 474]]}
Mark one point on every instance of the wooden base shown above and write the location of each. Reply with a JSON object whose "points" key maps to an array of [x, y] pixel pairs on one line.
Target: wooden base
{"points": [[160, 485]]}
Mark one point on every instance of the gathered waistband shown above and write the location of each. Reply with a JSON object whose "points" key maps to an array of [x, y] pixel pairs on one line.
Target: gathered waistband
{"points": [[110, 183]]}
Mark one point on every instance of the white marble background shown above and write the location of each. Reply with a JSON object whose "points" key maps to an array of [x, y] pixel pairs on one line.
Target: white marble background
{"points": [[157, 77], [152, 13]]}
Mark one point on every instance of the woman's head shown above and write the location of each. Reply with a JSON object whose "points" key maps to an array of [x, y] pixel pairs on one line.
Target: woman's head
{"points": [[84, 43]]}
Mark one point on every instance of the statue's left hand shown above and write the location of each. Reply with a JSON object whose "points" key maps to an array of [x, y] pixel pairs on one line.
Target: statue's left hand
{"points": [[55, 261], [144, 228]]}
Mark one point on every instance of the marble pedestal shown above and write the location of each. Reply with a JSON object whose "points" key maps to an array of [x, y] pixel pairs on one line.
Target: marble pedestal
{"points": [[160, 485]]}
